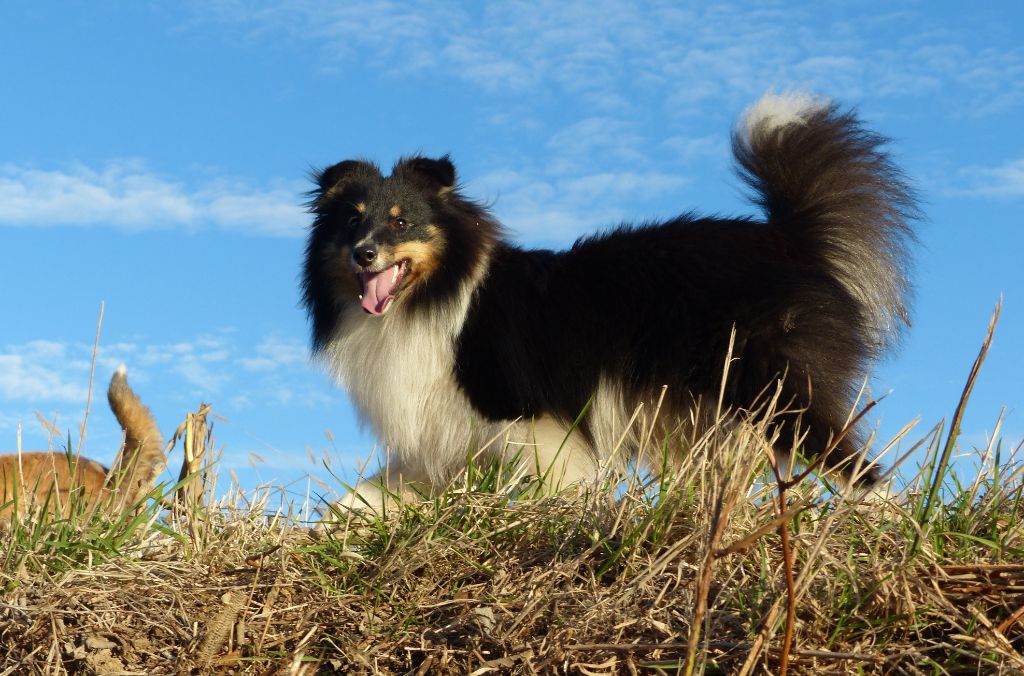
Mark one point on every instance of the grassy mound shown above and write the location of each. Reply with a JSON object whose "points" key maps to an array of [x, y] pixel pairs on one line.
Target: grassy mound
{"points": [[691, 574], [727, 567]]}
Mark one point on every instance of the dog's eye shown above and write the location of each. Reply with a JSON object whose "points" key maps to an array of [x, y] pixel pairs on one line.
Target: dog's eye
{"points": [[353, 222], [401, 223]]}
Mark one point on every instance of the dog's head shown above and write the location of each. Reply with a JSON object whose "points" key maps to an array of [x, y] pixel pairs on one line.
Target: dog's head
{"points": [[407, 239]]}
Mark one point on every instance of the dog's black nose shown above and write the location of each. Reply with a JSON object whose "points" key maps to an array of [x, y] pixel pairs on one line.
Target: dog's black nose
{"points": [[365, 255]]}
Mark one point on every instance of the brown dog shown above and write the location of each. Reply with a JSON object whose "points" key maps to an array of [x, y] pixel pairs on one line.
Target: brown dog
{"points": [[56, 481]]}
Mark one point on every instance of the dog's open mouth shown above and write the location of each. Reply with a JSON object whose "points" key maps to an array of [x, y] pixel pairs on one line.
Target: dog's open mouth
{"points": [[379, 288]]}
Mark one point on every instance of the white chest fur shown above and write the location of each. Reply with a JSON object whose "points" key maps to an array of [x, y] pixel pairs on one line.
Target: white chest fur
{"points": [[398, 370]]}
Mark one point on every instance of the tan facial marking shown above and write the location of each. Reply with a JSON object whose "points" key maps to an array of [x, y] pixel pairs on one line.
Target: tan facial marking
{"points": [[424, 256], [361, 207], [395, 211]]}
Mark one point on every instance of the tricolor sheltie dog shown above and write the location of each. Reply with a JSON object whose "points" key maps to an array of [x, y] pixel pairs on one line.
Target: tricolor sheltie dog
{"points": [[446, 335]]}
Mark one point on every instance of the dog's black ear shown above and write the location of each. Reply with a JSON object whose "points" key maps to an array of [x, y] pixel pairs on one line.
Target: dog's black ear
{"points": [[341, 178], [437, 176]]}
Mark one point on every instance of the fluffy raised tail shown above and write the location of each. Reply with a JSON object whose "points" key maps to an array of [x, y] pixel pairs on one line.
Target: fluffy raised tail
{"points": [[142, 458], [821, 176]]}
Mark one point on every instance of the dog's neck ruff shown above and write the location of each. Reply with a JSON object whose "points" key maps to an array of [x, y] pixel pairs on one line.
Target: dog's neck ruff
{"points": [[398, 369]]}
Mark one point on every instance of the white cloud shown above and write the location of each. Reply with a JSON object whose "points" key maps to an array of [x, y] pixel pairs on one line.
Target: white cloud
{"points": [[201, 370], [619, 98], [54, 372], [120, 195], [267, 213], [556, 209], [608, 185], [32, 373], [606, 140], [124, 194], [1006, 180], [49, 373], [203, 362], [619, 55], [274, 352], [689, 148]]}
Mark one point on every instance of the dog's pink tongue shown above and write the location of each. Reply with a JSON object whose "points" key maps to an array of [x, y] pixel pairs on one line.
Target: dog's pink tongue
{"points": [[378, 289]]}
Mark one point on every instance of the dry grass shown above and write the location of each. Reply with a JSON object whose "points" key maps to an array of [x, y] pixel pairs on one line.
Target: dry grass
{"points": [[691, 576], [480, 582]]}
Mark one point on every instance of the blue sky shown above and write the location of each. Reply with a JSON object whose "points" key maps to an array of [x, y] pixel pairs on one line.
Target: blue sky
{"points": [[154, 157]]}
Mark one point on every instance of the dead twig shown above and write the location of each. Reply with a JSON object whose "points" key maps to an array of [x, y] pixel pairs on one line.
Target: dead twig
{"points": [[954, 428], [92, 375], [719, 645]]}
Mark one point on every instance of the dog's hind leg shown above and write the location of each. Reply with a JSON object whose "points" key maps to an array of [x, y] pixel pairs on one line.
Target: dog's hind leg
{"points": [[819, 430], [559, 457]]}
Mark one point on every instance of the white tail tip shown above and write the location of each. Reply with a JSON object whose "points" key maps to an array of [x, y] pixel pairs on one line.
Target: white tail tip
{"points": [[774, 111]]}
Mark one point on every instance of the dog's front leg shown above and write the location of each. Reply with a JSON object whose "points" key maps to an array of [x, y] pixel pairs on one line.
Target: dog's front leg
{"points": [[395, 483]]}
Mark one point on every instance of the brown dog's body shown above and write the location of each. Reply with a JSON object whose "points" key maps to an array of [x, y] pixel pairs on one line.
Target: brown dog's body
{"points": [[56, 481]]}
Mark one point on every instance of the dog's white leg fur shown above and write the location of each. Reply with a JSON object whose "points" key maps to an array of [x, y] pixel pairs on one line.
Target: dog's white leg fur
{"points": [[559, 456], [385, 489], [878, 494]]}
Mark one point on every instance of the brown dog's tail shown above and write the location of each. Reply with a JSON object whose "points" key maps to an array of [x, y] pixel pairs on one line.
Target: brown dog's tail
{"points": [[142, 457]]}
